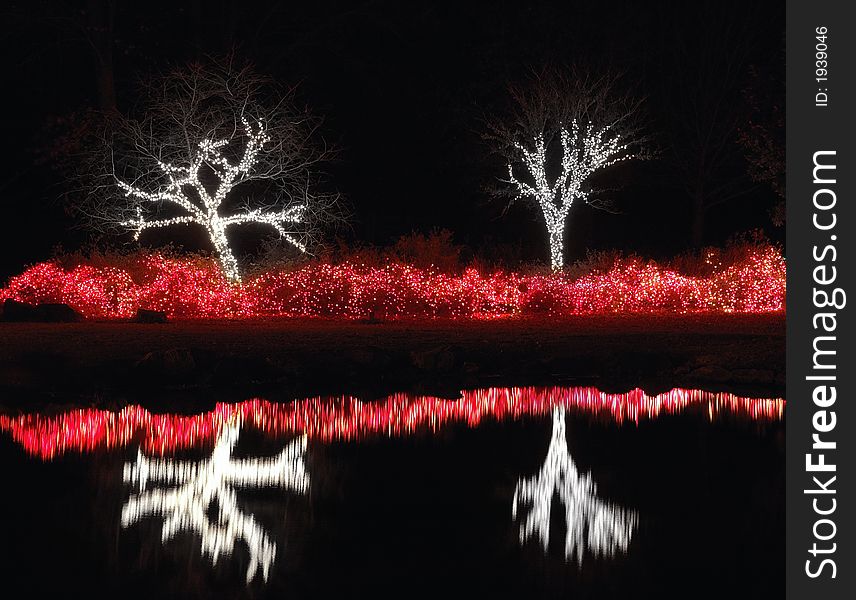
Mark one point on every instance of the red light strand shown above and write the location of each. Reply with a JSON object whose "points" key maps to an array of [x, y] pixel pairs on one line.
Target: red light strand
{"points": [[347, 418], [185, 288]]}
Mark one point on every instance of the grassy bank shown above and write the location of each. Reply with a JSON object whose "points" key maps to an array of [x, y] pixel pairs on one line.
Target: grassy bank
{"points": [[297, 357]]}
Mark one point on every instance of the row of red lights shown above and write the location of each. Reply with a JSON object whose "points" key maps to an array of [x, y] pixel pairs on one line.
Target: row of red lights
{"points": [[346, 418], [197, 289]]}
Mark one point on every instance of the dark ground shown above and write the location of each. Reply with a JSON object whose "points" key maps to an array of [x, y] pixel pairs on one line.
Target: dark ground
{"points": [[113, 363]]}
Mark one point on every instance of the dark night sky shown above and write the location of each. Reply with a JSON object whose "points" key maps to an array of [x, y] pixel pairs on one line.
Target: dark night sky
{"points": [[402, 86]]}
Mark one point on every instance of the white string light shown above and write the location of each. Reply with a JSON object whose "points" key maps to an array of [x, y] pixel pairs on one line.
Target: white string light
{"points": [[207, 214], [584, 151], [188, 488], [592, 524]]}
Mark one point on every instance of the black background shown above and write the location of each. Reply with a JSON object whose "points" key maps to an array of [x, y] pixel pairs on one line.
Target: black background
{"points": [[403, 88]]}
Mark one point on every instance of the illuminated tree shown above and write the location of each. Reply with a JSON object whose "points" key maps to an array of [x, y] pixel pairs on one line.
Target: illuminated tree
{"points": [[562, 131], [592, 524], [183, 491], [214, 146]]}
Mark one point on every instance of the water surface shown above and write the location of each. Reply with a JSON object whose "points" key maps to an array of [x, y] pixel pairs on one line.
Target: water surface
{"points": [[507, 492]]}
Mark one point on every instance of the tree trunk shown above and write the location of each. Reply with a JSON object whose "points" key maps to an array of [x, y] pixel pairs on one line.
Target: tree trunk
{"points": [[100, 16], [557, 248], [698, 222], [227, 260]]}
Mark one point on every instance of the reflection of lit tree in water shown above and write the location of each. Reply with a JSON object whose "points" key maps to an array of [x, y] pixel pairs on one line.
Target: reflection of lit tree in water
{"points": [[592, 524], [191, 487]]}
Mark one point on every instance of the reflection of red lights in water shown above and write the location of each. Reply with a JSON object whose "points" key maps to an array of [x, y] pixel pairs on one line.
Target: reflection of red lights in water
{"points": [[197, 289], [348, 418]]}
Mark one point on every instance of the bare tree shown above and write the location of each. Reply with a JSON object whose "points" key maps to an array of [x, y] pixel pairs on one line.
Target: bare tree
{"points": [[214, 145], [563, 129], [705, 62], [762, 136]]}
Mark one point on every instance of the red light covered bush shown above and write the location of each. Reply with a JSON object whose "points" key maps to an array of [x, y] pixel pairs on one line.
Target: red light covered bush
{"points": [[751, 282]]}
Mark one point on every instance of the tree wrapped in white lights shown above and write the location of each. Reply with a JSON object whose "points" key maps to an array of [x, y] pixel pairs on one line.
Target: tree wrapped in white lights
{"points": [[180, 492], [215, 146], [593, 524], [562, 131]]}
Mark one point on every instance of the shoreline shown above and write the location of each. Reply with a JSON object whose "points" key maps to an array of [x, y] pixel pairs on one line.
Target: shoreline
{"points": [[161, 364]]}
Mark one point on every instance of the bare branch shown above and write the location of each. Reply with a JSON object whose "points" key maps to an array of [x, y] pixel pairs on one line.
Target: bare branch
{"points": [[563, 129], [205, 139]]}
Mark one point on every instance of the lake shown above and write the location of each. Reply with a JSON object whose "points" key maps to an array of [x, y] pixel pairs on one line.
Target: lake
{"points": [[505, 492]]}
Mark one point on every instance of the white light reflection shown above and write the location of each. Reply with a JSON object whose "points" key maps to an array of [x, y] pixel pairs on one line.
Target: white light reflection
{"points": [[188, 488], [593, 525]]}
